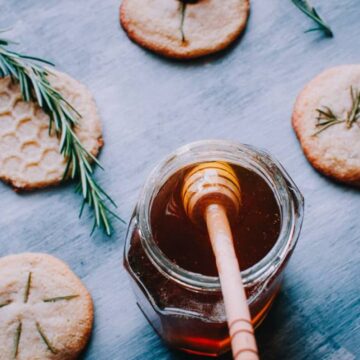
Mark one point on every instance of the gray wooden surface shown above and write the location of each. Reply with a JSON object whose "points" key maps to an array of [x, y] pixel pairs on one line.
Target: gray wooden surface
{"points": [[150, 106]]}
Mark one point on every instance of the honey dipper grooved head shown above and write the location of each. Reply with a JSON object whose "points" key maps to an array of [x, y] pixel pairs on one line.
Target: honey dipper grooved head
{"points": [[211, 183]]}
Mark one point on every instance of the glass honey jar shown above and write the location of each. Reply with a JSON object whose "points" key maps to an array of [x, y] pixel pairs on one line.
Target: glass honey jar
{"points": [[174, 276]]}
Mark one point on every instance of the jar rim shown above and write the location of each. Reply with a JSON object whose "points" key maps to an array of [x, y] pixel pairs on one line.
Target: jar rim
{"points": [[288, 196]]}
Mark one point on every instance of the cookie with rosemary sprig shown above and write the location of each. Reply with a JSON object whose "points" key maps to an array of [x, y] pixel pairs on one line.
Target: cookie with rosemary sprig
{"points": [[29, 149], [326, 119], [184, 29], [30, 93], [45, 310]]}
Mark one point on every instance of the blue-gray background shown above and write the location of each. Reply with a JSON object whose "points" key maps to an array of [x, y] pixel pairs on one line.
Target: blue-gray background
{"points": [[150, 106]]}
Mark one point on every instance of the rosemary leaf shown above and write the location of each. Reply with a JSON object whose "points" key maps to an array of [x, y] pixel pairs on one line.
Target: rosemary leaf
{"points": [[312, 13], [45, 339], [17, 339], [60, 298], [28, 288], [183, 6], [182, 20], [5, 304], [355, 111], [327, 126]]}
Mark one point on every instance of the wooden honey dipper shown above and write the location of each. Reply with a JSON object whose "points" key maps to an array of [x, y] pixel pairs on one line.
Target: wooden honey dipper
{"points": [[211, 193]]}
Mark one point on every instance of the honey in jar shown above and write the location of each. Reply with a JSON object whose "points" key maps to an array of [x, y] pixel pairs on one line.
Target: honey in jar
{"points": [[170, 259], [255, 230]]}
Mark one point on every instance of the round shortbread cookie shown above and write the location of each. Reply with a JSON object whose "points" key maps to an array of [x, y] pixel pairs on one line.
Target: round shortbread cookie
{"points": [[335, 151], [45, 310], [29, 156], [208, 25]]}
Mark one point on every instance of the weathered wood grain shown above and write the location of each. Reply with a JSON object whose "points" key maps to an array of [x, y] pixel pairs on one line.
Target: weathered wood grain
{"points": [[149, 107]]}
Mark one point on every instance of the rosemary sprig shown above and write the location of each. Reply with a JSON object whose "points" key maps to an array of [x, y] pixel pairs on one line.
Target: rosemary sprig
{"points": [[327, 118], [60, 298], [32, 77], [312, 13], [45, 339]]}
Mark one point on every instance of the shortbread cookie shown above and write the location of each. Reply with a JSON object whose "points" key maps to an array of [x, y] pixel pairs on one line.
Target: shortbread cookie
{"points": [[184, 29], [29, 157], [334, 151], [45, 310]]}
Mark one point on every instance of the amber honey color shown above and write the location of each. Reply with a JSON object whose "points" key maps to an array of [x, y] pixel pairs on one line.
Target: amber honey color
{"points": [[170, 260], [255, 229], [195, 321]]}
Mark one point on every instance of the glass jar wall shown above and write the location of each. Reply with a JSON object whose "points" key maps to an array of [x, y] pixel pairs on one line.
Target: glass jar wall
{"points": [[185, 308]]}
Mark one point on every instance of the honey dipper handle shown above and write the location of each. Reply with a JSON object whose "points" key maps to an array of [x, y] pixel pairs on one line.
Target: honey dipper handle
{"points": [[243, 341]]}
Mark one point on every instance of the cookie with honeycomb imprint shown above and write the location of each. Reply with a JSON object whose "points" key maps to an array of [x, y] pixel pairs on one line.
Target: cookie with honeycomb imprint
{"points": [[45, 310], [29, 153]]}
